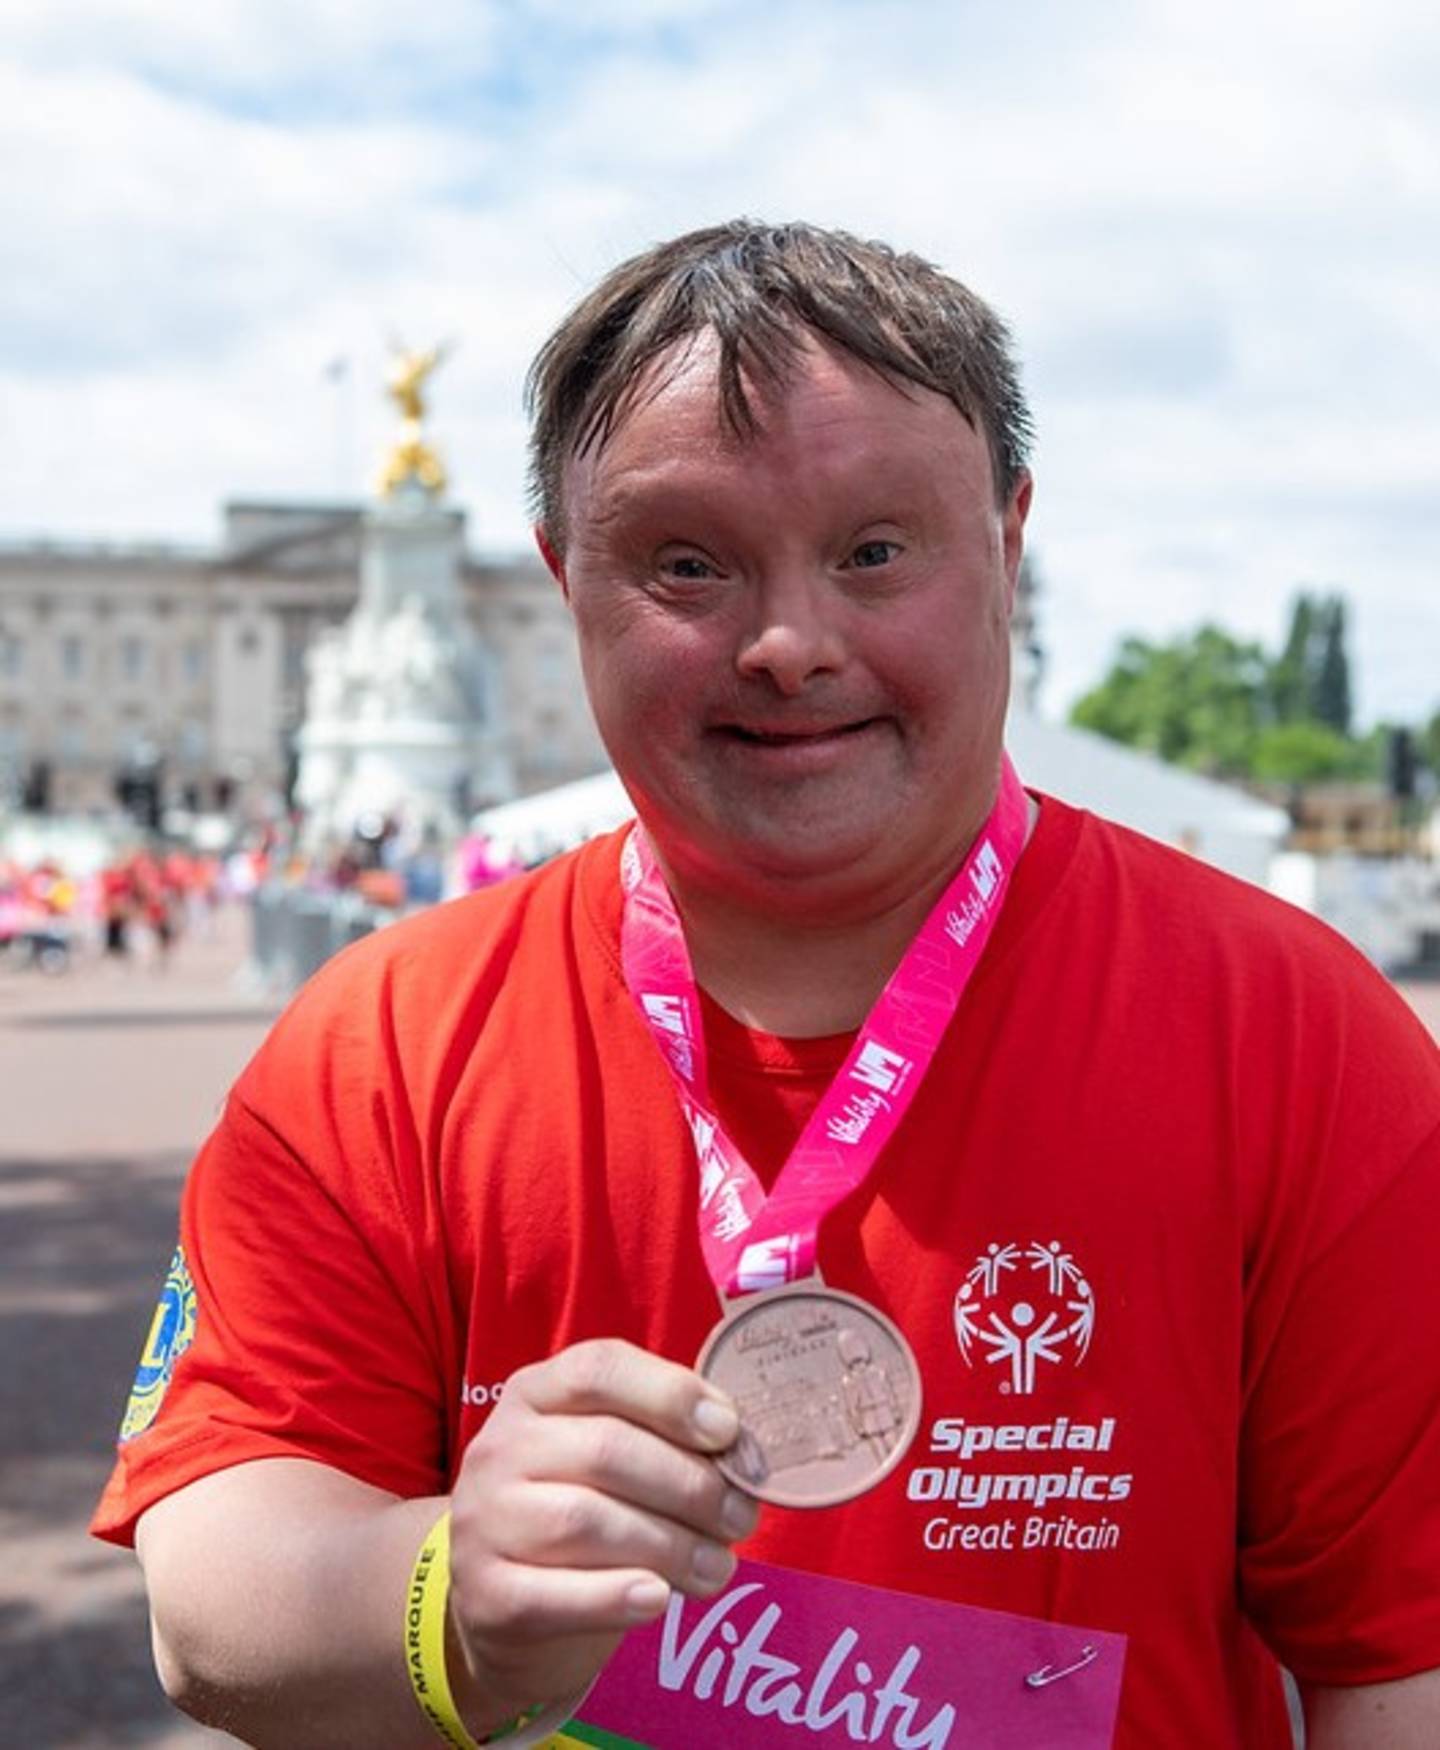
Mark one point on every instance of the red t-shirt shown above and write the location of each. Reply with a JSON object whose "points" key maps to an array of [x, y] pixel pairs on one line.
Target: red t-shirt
{"points": [[1157, 1226]]}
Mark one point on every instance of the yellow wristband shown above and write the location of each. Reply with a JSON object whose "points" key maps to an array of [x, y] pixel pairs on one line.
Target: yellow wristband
{"points": [[425, 1645]]}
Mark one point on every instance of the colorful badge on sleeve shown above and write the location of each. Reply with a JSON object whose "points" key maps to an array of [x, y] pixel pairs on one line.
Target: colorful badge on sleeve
{"points": [[171, 1333]]}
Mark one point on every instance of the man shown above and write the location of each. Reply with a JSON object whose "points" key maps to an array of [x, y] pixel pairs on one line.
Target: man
{"points": [[1151, 1221]]}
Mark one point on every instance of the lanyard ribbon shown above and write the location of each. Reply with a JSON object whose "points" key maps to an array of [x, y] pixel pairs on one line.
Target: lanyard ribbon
{"points": [[752, 1241]]}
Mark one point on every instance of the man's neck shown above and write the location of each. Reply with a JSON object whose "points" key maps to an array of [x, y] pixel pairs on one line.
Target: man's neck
{"points": [[799, 977]]}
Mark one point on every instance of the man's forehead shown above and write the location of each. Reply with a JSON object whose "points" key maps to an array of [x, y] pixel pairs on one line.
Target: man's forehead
{"points": [[685, 382], [674, 419], [689, 373]]}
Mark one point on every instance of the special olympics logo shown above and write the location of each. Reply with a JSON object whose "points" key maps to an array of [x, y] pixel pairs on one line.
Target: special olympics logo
{"points": [[1021, 1305]]}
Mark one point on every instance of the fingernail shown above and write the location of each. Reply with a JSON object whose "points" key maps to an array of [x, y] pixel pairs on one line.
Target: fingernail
{"points": [[715, 1422], [738, 1513], [712, 1563], [646, 1599]]}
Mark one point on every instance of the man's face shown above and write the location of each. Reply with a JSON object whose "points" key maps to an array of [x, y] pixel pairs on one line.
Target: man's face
{"points": [[797, 644]]}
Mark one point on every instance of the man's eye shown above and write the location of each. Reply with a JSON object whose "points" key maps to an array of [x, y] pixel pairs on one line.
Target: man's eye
{"points": [[872, 553], [688, 567]]}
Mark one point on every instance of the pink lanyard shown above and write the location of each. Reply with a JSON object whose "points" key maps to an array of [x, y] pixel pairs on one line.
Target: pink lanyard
{"points": [[752, 1241]]}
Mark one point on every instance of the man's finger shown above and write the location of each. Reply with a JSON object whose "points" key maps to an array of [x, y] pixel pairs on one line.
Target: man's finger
{"points": [[515, 1605], [562, 1525], [607, 1376], [621, 1459]]}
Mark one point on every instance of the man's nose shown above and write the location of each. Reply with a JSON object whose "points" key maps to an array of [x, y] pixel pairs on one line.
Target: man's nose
{"points": [[794, 634]]}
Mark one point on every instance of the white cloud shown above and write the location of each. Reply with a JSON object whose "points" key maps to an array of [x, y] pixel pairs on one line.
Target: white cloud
{"points": [[1212, 229], [266, 48]]}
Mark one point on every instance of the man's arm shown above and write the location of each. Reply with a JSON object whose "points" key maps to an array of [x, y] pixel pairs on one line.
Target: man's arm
{"points": [[1404, 1715], [274, 1588], [277, 1588]]}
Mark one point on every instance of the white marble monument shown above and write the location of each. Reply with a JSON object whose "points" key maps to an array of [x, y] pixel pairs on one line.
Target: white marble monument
{"points": [[400, 718]]}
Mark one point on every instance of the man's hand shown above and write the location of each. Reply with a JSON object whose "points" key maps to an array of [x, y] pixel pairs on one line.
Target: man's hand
{"points": [[588, 1496]]}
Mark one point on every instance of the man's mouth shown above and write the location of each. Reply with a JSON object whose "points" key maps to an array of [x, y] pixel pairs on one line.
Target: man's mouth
{"points": [[763, 735]]}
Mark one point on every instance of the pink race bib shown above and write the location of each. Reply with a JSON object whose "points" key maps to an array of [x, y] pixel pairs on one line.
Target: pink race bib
{"points": [[782, 1659]]}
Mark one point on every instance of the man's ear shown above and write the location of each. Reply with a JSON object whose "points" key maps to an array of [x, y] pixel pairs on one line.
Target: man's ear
{"points": [[554, 563], [1012, 530]]}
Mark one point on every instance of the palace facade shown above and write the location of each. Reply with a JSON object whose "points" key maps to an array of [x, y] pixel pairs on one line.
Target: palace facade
{"points": [[186, 666]]}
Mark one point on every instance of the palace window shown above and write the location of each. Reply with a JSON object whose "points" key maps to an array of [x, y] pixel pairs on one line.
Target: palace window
{"points": [[73, 741]]}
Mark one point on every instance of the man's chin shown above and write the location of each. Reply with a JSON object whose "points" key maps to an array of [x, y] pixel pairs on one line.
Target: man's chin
{"points": [[785, 855]]}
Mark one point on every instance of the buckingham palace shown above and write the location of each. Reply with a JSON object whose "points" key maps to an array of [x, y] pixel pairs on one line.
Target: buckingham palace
{"points": [[188, 665]]}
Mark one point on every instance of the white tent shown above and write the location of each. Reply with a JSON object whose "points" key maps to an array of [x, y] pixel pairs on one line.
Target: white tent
{"points": [[555, 820]]}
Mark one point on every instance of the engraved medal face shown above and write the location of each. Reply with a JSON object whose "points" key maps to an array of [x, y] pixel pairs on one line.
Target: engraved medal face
{"points": [[828, 1393]]}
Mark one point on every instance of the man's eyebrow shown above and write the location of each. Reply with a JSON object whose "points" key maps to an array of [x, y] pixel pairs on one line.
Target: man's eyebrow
{"points": [[638, 495]]}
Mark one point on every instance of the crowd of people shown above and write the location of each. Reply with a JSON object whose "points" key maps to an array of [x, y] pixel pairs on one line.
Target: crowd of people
{"points": [[394, 868], [139, 901]]}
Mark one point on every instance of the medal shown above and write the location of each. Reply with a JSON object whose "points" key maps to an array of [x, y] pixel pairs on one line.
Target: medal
{"points": [[827, 1388]]}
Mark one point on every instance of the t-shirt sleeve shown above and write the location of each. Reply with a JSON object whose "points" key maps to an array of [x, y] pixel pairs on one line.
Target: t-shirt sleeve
{"points": [[1340, 1450], [304, 1313]]}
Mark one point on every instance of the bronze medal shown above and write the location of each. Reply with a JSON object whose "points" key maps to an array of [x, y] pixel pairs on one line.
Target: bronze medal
{"points": [[827, 1388]]}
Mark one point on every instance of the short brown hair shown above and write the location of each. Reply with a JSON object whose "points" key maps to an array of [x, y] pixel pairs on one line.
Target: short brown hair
{"points": [[760, 289]]}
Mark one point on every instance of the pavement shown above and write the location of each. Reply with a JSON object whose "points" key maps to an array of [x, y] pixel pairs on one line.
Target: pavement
{"points": [[109, 1078]]}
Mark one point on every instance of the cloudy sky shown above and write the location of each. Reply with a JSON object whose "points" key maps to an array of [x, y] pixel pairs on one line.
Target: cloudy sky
{"points": [[1214, 228]]}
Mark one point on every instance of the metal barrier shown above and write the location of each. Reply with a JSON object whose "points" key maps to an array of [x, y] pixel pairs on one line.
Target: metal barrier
{"points": [[294, 931], [266, 931]]}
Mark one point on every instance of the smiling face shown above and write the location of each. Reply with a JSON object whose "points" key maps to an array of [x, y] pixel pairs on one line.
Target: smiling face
{"points": [[796, 643]]}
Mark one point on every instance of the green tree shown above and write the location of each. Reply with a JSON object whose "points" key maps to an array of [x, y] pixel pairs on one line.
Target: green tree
{"points": [[1372, 751], [1222, 706], [1309, 681], [1330, 695], [1290, 673], [1198, 701], [1429, 739], [1306, 753]]}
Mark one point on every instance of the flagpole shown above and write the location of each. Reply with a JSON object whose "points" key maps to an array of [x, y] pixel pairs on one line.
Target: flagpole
{"points": [[338, 375]]}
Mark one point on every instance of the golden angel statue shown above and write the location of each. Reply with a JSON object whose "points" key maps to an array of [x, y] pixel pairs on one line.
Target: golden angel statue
{"points": [[410, 457]]}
